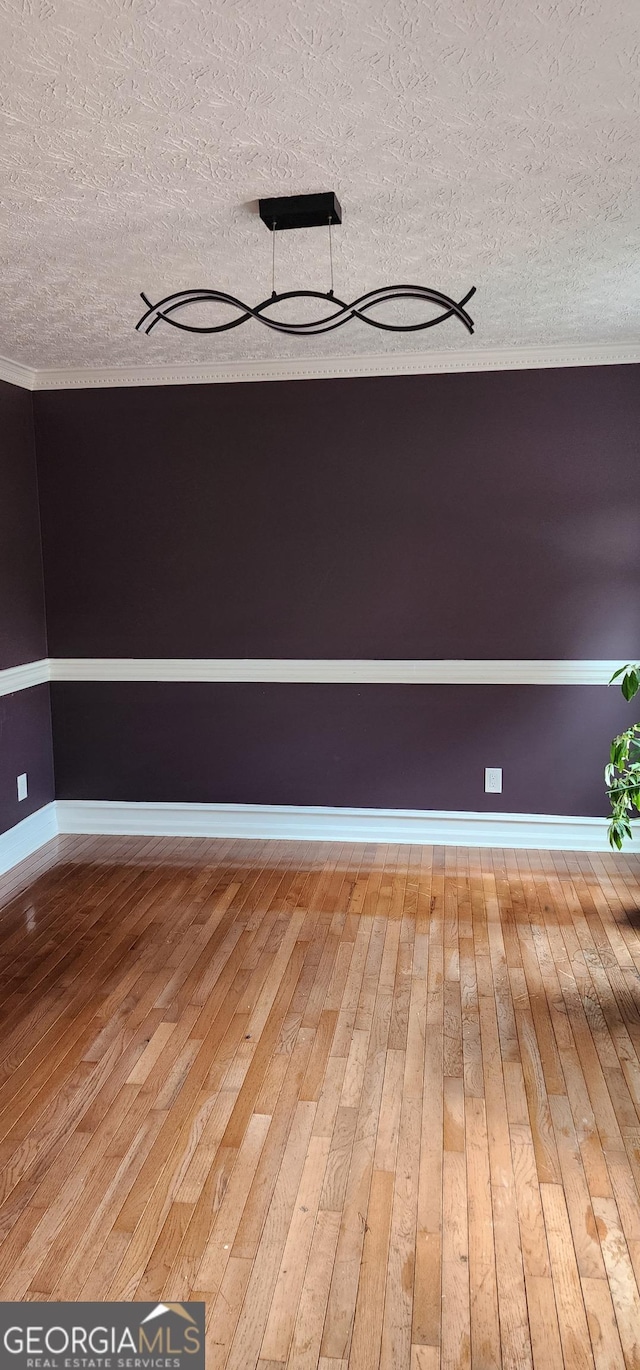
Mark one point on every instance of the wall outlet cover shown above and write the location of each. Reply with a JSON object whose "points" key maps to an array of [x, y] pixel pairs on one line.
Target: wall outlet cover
{"points": [[493, 780], [22, 785]]}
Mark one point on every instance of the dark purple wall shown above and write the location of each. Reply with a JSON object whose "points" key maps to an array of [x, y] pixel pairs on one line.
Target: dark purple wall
{"points": [[25, 745], [22, 625], [478, 515], [395, 746], [25, 718], [490, 515]]}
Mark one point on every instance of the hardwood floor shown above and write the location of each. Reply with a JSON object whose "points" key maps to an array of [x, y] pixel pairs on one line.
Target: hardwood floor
{"points": [[377, 1107]]}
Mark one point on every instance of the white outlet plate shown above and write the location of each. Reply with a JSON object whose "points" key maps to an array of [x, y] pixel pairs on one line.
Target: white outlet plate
{"points": [[23, 788], [493, 780]]}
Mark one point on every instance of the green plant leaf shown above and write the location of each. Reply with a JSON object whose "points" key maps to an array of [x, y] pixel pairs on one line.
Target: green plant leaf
{"points": [[631, 684], [622, 773]]}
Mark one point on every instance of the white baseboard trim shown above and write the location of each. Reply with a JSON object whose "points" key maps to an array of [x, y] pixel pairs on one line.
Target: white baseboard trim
{"points": [[309, 823], [442, 361], [318, 824], [27, 836], [307, 670]]}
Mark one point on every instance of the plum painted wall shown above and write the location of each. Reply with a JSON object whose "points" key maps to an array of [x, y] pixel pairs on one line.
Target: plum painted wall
{"points": [[371, 746], [25, 721], [488, 515]]}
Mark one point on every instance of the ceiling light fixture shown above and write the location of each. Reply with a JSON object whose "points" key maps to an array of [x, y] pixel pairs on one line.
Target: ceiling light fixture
{"points": [[304, 211]]}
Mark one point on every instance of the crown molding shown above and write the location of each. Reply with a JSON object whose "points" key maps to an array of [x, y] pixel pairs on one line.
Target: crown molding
{"points": [[17, 374], [322, 368]]}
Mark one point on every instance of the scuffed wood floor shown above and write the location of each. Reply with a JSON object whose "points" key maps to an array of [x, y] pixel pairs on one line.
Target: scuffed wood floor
{"points": [[377, 1107]]}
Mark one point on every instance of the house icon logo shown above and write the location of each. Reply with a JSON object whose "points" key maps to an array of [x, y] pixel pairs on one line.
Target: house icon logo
{"points": [[177, 1308]]}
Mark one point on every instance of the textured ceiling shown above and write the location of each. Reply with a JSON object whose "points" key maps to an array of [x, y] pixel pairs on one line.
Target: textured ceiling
{"points": [[472, 142]]}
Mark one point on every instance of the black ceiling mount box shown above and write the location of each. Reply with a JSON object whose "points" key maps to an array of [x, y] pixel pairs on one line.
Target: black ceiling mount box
{"points": [[301, 211]]}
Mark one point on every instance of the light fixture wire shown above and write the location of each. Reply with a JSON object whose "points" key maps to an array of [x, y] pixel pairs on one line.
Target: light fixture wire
{"points": [[330, 256]]}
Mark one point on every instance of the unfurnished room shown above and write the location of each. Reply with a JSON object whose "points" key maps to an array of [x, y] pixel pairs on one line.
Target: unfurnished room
{"points": [[320, 685]]}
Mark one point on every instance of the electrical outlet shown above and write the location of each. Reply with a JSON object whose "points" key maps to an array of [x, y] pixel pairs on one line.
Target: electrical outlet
{"points": [[23, 787], [493, 780]]}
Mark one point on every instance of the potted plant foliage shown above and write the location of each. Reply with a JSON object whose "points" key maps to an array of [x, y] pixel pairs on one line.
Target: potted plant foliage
{"points": [[622, 774]]}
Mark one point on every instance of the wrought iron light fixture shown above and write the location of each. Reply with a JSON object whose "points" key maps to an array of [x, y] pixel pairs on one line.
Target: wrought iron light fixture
{"points": [[304, 211]]}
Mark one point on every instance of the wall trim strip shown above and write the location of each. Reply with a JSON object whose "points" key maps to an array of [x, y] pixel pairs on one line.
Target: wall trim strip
{"points": [[323, 368], [310, 823], [357, 672], [15, 678], [307, 671], [541, 832], [27, 836]]}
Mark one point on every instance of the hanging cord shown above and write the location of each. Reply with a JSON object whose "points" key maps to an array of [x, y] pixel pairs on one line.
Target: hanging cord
{"points": [[330, 256], [273, 261]]}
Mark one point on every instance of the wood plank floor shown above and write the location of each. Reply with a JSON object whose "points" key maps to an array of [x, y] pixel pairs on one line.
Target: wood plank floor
{"points": [[378, 1107]]}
